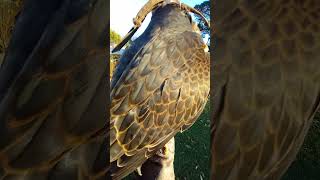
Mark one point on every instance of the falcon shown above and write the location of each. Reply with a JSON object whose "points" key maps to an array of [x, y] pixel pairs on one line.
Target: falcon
{"points": [[159, 87], [52, 91], [266, 85]]}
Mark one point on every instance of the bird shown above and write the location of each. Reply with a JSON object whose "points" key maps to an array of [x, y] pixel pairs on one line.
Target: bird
{"points": [[265, 85], [53, 100], [159, 88]]}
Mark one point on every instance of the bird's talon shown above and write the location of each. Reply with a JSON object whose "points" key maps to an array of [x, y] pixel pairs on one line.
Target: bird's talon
{"points": [[139, 171], [163, 152]]}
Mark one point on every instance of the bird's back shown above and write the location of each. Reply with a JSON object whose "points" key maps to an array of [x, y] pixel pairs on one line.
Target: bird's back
{"points": [[161, 87]]}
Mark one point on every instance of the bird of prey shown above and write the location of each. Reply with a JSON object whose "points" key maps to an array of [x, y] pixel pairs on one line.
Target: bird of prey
{"points": [[52, 92], [159, 87], [266, 85]]}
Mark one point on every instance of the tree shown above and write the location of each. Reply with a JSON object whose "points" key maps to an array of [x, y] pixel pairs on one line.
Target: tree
{"points": [[204, 8], [114, 37]]}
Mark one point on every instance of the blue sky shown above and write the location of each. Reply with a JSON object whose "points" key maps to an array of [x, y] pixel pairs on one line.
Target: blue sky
{"points": [[192, 2], [122, 13]]}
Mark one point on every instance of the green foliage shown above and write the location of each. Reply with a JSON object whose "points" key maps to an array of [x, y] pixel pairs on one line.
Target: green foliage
{"points": [[204, 8], [114, 37]]}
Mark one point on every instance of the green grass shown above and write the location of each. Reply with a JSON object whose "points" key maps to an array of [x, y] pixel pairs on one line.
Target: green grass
{"points": [[192, 157], [192, 150], [192, 153], [307, 163]]}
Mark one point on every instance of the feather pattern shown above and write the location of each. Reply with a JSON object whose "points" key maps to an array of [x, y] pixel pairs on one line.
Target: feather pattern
{"points": [[160, 88]]}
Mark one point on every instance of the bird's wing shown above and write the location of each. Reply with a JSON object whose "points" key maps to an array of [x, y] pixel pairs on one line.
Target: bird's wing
{"points": [[266, 86], [162, 91], [52, 92]]}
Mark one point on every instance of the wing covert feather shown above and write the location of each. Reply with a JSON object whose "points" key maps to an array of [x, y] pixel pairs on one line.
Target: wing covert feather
{"points": [[163, 89]]}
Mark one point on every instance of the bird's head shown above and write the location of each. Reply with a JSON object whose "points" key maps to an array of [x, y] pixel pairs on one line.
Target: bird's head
{"points": [[152, 6]]}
